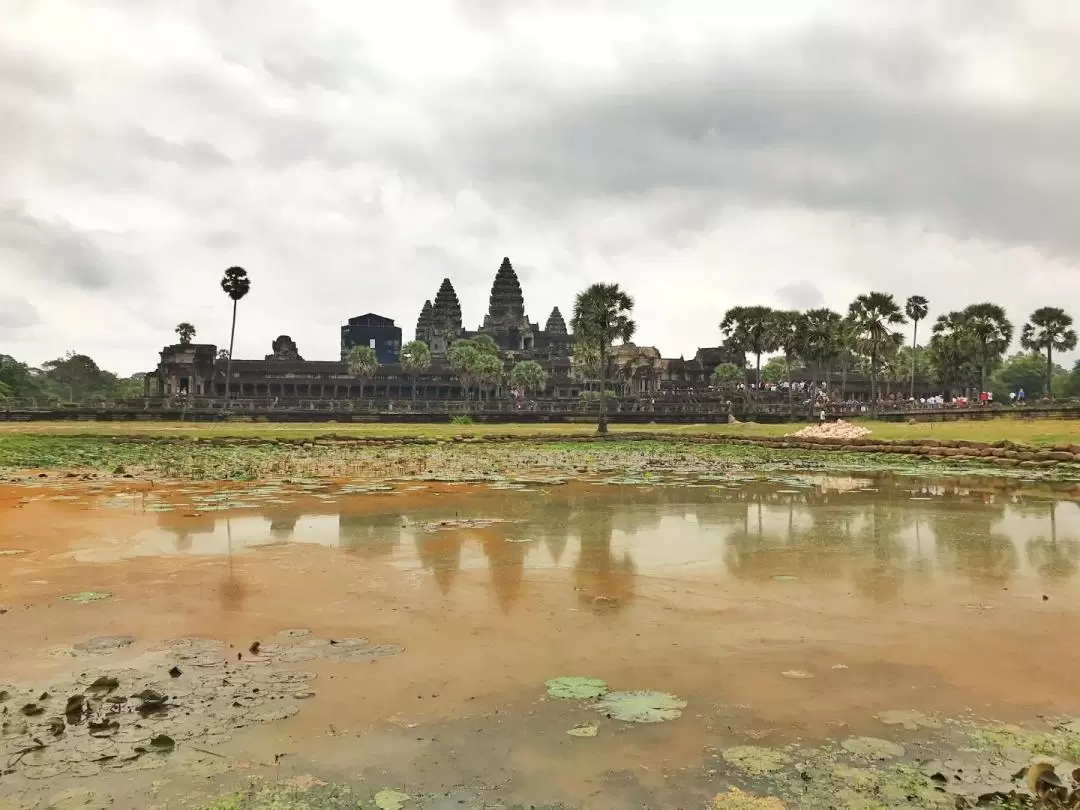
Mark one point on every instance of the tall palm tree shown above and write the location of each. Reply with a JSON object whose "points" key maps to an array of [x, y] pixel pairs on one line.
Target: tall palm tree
{"points": [[821, 341], [751, 329], [186, 332], [415, 360], [788, 334], [363, 363], [991, 332], [236, 285], [1049, 328], [951, 350], [602, 316], [873, 315], [916, 309]]}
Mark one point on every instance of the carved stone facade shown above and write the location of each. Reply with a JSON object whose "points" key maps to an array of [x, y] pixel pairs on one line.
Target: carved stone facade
{"points": [[284, 348]]}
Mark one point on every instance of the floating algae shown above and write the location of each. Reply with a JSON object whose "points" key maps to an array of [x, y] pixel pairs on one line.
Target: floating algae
{"points": [[755, 760], [576, 688], [736, 799], [584, 730], [641, 707]]}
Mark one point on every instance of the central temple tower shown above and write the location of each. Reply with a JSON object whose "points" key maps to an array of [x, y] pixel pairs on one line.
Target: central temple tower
{"points": [[506, 321]]}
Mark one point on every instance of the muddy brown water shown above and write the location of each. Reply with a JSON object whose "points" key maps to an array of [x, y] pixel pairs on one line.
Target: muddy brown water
{"points": [[782, 611]]}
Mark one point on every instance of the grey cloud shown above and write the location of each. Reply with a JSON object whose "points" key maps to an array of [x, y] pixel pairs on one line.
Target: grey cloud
{"points": [[17, 313], [801, 295], [849, 124], [53, 251]]}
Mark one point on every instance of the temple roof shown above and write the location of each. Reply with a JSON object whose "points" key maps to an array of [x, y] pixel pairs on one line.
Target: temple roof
{"points": [[556, 325]]}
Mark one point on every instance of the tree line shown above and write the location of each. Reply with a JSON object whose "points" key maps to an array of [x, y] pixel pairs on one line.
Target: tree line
{"points": [[965, 347]]}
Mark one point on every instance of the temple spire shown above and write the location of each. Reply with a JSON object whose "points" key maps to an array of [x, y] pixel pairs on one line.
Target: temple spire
{"points": [[556, 325], [425, 323]]}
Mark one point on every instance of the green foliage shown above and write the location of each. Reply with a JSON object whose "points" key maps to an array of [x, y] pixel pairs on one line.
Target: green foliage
{"points": [[1049, 330], [727, 374], [873, 317], [750, 329], [236, 283], [461, 419], [1025, 370], [362, 362], [529, 376], [774, 371], [585, 364], [415, 357], [602, 316], [185, 331], [476, 361]]}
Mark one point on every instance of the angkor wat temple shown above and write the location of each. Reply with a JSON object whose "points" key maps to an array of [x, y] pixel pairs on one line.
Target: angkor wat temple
{"points": [[197, 369]]}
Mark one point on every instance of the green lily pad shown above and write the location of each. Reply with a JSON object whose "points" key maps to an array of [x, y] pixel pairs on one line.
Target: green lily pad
{"points": [[576, 688], [584, 730], [82, 597], [755, 760], [388, 799], [872, 748], [641, 707]]}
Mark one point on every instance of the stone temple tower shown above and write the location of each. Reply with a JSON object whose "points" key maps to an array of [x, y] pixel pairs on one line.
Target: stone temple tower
{"points": [[425, 324], [555, 323], [445, 319], [505, 320]]}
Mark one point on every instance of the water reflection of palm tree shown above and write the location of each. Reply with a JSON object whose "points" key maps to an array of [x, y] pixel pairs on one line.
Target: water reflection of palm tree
{"points": [[232, 591], [1055, 559], [968, 544], [282, 526], [603, 580], [882, 575]]}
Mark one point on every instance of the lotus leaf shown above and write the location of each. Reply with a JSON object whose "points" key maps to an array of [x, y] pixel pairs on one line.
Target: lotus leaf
{"points": [[584, 730], [82, 597], [576, 688], [641, 707], [387, 799]]}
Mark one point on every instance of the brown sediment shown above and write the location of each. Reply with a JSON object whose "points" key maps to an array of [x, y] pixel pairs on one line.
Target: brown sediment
{"points": [[612, 582]]}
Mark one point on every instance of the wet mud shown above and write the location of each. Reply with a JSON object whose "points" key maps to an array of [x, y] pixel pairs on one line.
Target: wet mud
{"points": [[639, 640]]}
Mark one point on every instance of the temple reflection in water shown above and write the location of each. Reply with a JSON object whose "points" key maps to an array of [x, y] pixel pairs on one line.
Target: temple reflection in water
{"points": [[871, 536]]}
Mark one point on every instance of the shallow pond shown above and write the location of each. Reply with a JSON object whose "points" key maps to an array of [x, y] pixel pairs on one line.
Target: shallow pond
{"points": [[767, 621]]}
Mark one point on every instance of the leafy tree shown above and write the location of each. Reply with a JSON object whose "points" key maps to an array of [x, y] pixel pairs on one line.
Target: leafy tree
{"points": [[1022, 370], [78, 376], [774, 370], [488, 370], [415, 360], [236, 285], [529, 376], [751, 330], [363, 363], [1049, 329], [602, 316], [485, 344], [727, 374], [873, 316], [915, 308], [585, 363], [990, 332], [223, 355], [186, 332], [18, 380], [899, 367]]}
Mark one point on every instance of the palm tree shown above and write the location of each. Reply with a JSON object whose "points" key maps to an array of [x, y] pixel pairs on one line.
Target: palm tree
{"points": [[463, 358], [186, 332], [991, 332], [821, 341], [916, 309], [529, 376], [872, 316], [488, 371], [602, 316], [750, 328], [415, 360], [1049, 329], [236, 285], [788, 333], [363, 363], [951, 350]]}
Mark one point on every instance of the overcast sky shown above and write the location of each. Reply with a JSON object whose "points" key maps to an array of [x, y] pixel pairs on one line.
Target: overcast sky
{"points": [[350, 155]]}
